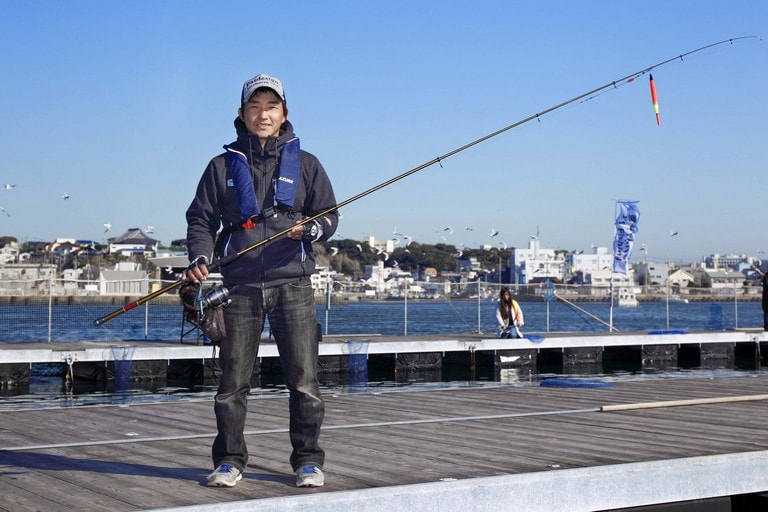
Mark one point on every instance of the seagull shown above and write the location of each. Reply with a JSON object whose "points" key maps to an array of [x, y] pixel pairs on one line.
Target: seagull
{"points": [[449, 229], [458, 254], [150, 230], [467, 228], [503, 245], [107, 226], [359, 247], [673, 233], [408, 239], [494, 232], [65, 196], [9, 186], [5, 212], [334, 251], [386, 255]]}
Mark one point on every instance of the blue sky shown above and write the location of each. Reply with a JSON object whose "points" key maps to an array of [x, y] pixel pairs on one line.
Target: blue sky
{"points": [[122, 104]]}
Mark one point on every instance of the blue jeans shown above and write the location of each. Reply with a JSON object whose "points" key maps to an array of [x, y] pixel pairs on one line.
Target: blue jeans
{"points": [[291, 312]]}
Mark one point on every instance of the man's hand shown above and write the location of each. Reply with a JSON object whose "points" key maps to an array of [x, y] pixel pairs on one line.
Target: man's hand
{"points": [[309, 232], [296, 233], [197, 271]]}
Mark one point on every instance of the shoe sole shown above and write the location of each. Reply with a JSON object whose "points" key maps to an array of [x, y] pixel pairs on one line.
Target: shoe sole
{"points": [[309, 485], [220, 483]]}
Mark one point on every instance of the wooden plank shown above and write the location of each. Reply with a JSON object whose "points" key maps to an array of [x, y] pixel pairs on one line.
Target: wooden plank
{"points": [[372, 440]]}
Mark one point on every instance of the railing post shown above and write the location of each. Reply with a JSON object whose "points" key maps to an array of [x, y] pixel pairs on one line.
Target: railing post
{"points": [[478, 307], [50, 305], [146, 311], [405, 305]]}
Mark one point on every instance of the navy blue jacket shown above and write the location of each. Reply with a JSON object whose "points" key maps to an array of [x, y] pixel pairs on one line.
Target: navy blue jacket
{"points": [[215, 206]]}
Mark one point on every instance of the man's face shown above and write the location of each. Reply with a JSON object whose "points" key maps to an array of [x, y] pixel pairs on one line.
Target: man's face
{"points": [[263, 114]]}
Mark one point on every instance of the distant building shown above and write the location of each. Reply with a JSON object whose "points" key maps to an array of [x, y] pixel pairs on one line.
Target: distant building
{"points": [[536, 264], [24, 279], [728, 261], [123, 282], [133, 241], [652, 273], [682, 278], [725, 281], [381, 246]]}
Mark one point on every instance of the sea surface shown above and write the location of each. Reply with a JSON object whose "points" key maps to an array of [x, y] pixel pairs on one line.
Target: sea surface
{"points": [[48, 388], [24, 323]]}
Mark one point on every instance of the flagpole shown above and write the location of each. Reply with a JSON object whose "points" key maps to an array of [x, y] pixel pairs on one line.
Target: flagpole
{"points": [[610, 314]]}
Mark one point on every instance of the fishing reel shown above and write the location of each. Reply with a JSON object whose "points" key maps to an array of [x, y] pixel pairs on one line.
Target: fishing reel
{"points": [[206, 308], [214, 297], [195, 298]]}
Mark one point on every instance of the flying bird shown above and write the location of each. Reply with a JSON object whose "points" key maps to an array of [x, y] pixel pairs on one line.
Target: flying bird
{"points": [[673, 233], [9, 186], [449, 229], [359, 247], [334, 251], [5, 212], [494, 232], [65, 196], [107, 226], [150, 230]]}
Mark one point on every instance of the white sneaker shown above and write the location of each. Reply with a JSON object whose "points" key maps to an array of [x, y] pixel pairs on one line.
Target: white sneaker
{"points": [[309, 476], [226, 475]]}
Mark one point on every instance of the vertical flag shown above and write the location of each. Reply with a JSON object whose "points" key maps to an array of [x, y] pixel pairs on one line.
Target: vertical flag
{"points": [[624, 239], [655, 102]]}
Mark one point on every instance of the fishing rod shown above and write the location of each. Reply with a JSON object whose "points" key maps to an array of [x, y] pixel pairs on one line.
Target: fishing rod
{"points": [[222, 262]]}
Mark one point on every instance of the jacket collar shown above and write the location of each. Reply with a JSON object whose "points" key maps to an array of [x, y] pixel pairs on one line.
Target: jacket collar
{"points": [[250, 144]]}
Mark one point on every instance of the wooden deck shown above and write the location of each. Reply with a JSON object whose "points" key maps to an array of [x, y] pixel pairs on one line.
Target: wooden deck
{"points": [[397, 448]]}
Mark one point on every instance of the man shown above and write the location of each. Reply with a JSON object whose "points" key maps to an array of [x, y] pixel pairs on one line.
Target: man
{"points": [[261, 185]]}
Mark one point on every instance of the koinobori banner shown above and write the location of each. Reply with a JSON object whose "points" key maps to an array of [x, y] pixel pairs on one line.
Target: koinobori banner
{"points": [[624, 239]]}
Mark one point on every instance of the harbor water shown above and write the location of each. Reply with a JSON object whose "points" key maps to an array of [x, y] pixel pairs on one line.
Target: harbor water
{"points": [[62, 323], [50, 389]]}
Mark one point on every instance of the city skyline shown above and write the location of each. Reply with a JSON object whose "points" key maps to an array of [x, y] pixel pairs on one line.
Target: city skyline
{"points": [[640, 253]]}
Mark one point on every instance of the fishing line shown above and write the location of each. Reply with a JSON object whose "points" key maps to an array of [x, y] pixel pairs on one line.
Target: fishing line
{"points": [[222, 262]]}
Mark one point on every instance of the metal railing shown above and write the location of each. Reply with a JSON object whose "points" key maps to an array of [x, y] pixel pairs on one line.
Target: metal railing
{"points": [[64, 311]]}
